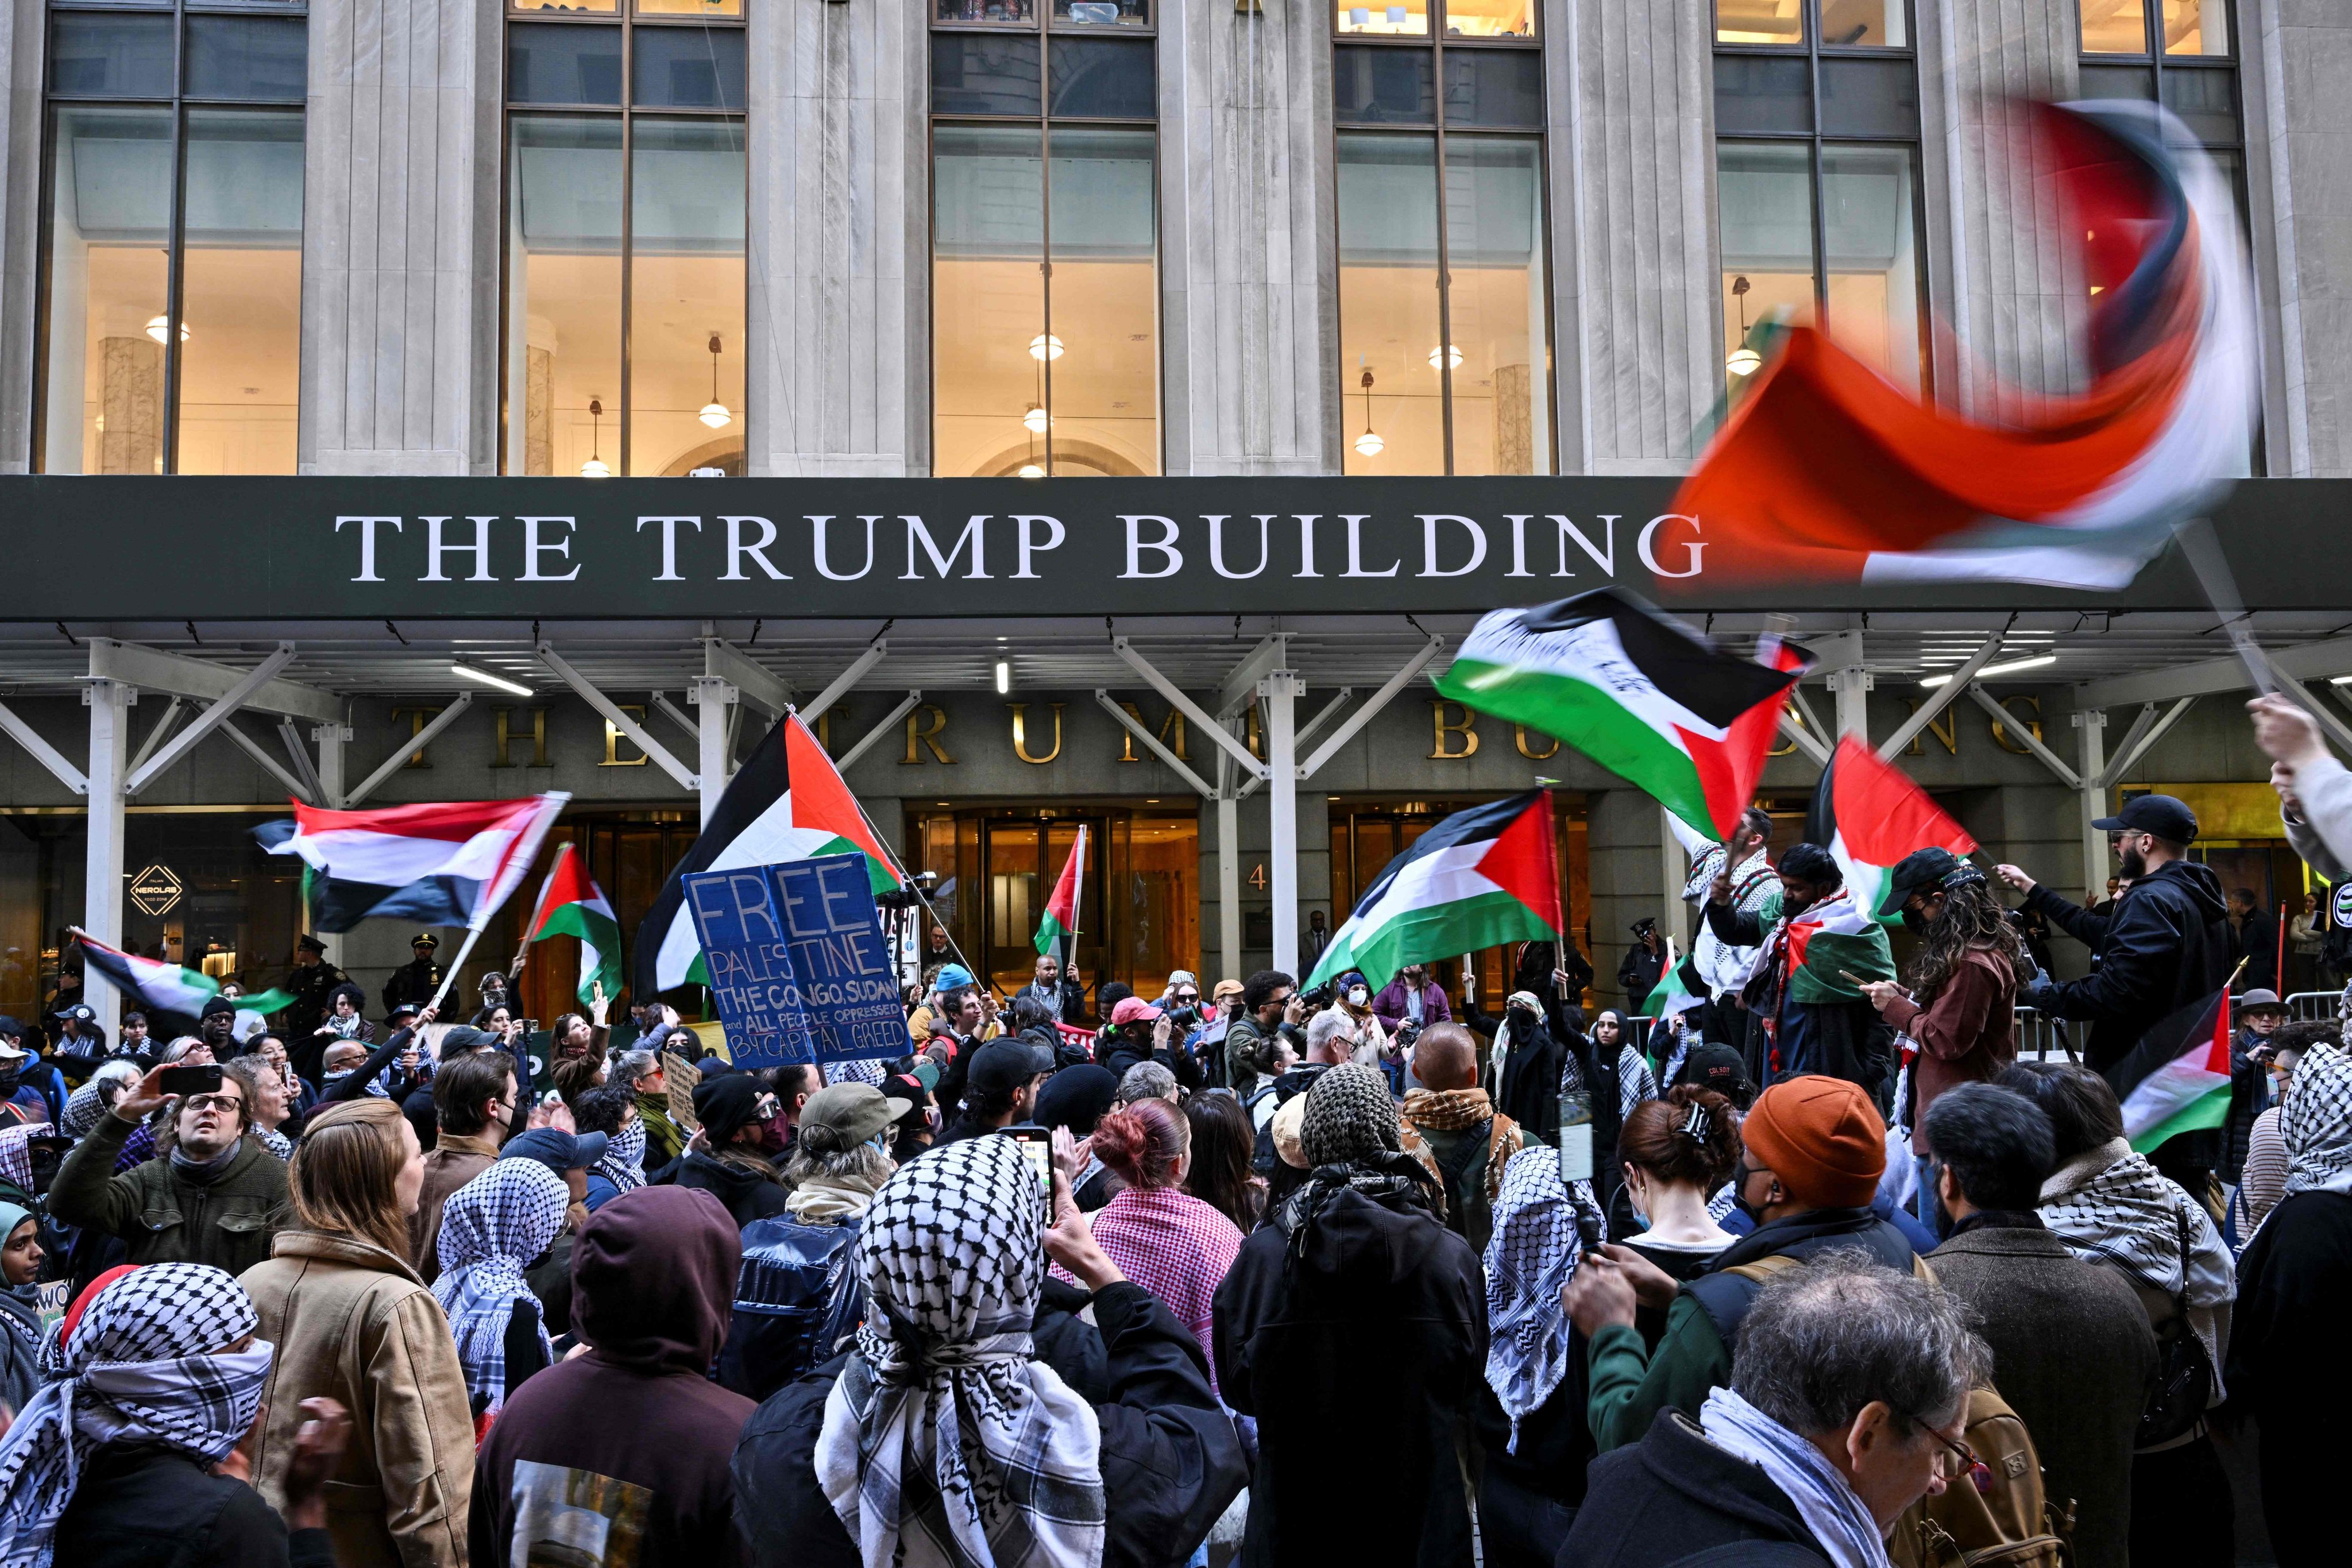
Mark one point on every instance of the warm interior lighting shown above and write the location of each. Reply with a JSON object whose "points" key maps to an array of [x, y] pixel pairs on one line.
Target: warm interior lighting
{"points": [[486, 678], [714, 412], [1045, 345], [1992, 671], [595, 468], [1369, 443], [1451, 354], [1034, 420], [160, 329], [1031, 471], [1743, 360]]}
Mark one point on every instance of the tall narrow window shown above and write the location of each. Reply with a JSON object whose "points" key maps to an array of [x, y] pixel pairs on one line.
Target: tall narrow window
{"points": [[625, 283], [1444, 336], [1044, 239], [1817, 178], [172, 287]]}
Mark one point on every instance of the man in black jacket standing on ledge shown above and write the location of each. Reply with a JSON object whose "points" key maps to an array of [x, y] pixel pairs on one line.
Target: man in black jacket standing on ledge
{"points": [[2167, 944]]}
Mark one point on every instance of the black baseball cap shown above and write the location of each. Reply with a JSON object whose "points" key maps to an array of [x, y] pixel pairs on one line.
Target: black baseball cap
{"points": [[2164, 815], [1921, 871], [1004, 1065], [1715, 1066]]}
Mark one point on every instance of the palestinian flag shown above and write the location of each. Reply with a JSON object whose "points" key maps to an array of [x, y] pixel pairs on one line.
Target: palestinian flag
{"points": [[1869, 816], [1635, 691], [1831, 938], [786, 803], [1060, 924], [450, 864], [156, 987], [1680, 989], [570, 904], [2177, 1079], [1476, 879]]}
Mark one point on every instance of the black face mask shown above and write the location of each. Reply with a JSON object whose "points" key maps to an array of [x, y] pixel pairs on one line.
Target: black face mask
{"points": [[1739, 1174], [1915, 922]]}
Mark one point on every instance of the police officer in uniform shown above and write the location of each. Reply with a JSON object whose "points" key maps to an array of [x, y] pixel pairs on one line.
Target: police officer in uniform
{"points": [[313, 983], [417, 980]]}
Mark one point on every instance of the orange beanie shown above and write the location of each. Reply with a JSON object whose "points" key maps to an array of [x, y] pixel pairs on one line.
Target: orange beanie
{"points": [[1822, 1137]]}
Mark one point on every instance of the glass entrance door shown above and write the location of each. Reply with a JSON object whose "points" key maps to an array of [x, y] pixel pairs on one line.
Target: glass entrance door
{"points": [[1024, 859]]}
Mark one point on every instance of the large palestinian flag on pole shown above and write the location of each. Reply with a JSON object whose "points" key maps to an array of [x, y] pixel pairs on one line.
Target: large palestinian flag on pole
{"points": [[786, 803], [1637, 692], [1059, 925], [1680, 989], [2177, 1079], [1869, 816], [447, 863], [571, 904], [155, 986], [1476, 879]]}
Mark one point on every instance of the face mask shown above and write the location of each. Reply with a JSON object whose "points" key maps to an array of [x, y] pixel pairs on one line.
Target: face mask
{"points": [[628, 1145], [1913, 921], [1739, 1193], [1358, 996]]}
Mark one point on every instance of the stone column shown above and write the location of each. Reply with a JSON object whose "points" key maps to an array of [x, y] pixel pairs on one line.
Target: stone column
{"points": [[838, 362], [2296, 56], [21, 60], [1636, 326], [1999, 270], [1249, 258], [400, 239]]}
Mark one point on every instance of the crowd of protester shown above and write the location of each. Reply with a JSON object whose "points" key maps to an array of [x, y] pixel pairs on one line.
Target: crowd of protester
{"points": [[1811, 1270]]}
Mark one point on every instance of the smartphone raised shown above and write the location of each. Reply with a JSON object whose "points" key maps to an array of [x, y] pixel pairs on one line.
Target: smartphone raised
{"points": [[186, 1082], [1037, 1143], [1575, 1136]]}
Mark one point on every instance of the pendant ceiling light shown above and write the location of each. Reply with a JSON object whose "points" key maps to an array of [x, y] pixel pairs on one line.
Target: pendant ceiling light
{"points": [[1045, 346], [714, 412], [160, 329], [1743, 360], [1369, 443], [595, 468]]}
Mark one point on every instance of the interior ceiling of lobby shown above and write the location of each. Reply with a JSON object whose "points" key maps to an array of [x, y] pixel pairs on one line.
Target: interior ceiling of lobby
{"points": [[1068, 655]]}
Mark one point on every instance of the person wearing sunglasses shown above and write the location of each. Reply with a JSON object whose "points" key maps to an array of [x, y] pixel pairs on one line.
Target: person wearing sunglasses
{"points": [[1845, 1406], [730, 1158]]}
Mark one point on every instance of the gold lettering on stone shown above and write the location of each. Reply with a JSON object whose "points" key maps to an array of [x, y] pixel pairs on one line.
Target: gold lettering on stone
{"points": [[923, 728], [1519, 734], [418, 719], [2033, 721], [1020, 712], [614, 738], [506, 738], [1175, 720], [1440, 728]]}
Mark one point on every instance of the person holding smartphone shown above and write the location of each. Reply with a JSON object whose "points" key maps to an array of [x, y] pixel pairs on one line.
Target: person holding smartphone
{"points": [[212, 1194]]}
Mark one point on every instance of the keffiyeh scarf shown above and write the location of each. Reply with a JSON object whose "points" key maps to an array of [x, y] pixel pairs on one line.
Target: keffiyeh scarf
{"points": [[15, 1158], [1531, 1259], [491, 1229], [83, 1108], [2316, 1122], [624, 1164], [1353, 1142], [139, 1366], [944, 1444], [1833, 1512], [2112, 1206]]}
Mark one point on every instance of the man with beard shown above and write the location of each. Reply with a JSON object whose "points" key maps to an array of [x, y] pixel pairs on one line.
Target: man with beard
{"points": [[1819, 949], [2166, 945]]}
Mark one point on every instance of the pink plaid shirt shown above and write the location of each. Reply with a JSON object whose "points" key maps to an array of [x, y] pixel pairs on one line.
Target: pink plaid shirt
{"points": [[1174, 1245]]}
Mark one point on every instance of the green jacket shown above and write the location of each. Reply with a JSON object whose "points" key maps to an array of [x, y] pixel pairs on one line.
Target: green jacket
{"points": [[165, 1217], [1628, 1386]]}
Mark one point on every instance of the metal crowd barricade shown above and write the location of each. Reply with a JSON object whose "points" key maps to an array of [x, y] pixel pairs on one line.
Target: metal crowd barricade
{"points": [[2313, 1004], [2041, 1038]]}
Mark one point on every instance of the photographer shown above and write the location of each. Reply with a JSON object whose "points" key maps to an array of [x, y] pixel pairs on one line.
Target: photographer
{"points": [[1141, 1032], [1270, 1002], [1644, 965], [1411, 998]]}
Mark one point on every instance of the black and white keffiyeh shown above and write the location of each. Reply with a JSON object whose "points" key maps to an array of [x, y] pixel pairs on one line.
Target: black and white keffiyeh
{"points": [[141, 1365], [2316, 1122], [2112, 1206], [491, 1229], [944, 1445], [17, 1157], [84, 1105], [1531, 1259], [624, 1164], [1350, 1117]]}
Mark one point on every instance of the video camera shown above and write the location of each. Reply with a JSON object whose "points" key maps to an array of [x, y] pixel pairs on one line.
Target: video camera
{"points": [[1320, 997], [915, 890]]}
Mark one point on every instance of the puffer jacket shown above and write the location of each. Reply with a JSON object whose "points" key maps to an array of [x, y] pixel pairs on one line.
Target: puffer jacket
{"points": [[165, 1216], [354, 1323]]}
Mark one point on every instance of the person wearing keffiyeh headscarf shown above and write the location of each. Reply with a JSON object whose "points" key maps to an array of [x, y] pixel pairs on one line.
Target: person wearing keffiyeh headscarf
{"points": [[948, 1439], [161, 1357], [491, 1230], [1355, 1310], [2288, 1360]]}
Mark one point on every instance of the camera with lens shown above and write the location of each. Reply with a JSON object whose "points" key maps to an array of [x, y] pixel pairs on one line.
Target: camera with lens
{"points": [[916, 889], [1320, 997], [1184, 1018], [1406, 1033]]}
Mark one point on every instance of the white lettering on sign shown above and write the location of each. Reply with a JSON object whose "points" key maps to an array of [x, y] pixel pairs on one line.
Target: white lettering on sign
{"points": [[1217, 547], [1355, 522], [1519, 521], [1430, 568], [670, 544], [1605, 557], [1171, 557], [435, 549], [1697, 547], [825, 557], [740, 550], [367, 543], [533, 547], [944, 565]]}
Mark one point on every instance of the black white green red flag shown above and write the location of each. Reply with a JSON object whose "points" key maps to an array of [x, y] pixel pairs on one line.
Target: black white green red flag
{"points": [[1868, 815], [1636, 691], [571, 904], [1476, 879], [1680, 989], [1060, 922], [2177, 1079], [787, 802]]}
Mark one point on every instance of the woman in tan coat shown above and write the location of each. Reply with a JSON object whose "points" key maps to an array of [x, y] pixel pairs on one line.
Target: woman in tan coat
{"points": [[352, 1322]]}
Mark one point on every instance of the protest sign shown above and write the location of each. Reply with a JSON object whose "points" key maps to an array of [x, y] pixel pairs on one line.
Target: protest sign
{"points": [[680, 1077], [799, 969], [848, 987]]}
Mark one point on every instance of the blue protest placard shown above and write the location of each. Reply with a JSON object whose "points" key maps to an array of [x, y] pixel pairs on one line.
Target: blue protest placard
{"points": [[752, 982], [848, 987]]}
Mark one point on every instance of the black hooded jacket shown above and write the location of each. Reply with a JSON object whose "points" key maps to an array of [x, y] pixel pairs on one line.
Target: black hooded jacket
{"points": [[1170, 1460], [1377, 1331], [653, 1279], [1673, 1495], [2167, 944]]}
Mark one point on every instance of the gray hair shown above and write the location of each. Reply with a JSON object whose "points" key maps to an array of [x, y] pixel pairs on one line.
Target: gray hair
{"points": [[1828, 1338], [1145, 1080], [630, 1066], [121, 1070], [181, 1047], [1323, 1025]]}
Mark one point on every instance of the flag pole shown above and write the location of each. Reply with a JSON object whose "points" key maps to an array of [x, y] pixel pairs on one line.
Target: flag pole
{"points": [[1077, 897], [449, 977], [538, 908]]}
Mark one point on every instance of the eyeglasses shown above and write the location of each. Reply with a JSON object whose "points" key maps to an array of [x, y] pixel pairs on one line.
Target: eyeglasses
{"points": [[1958, 1460], [223, 1102]]}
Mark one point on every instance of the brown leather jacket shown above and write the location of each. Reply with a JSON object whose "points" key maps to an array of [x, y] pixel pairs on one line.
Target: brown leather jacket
{"points": [[353, 1323]]}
